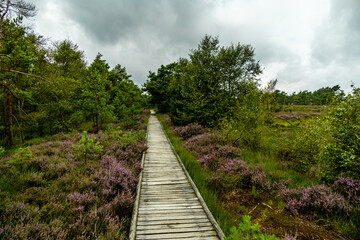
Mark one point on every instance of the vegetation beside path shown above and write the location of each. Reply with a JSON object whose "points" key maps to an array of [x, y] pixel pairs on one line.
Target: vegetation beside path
{"points": [[73, 186]]}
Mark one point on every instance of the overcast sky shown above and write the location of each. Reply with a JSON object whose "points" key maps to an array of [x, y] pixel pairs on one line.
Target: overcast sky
{"points": [[305, 44]]}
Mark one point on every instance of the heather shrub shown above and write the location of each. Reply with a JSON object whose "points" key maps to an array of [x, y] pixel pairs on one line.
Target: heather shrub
{"points": [[236, 173], [47, 194], [211, 161], [202, 144], [217, 155], [349, 188], [311, 202], [189, 131]]}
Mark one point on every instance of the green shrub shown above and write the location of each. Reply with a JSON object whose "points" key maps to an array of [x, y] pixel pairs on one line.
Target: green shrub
{"points": [[244, 127], [248, 231], [21, 159], [87, 147], [342, 154], [130, 137], [2, 151], [303, 147]]}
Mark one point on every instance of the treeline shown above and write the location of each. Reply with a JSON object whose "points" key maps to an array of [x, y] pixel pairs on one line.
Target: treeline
{"points": [[218, 87], [50, 89], [322, 96]]}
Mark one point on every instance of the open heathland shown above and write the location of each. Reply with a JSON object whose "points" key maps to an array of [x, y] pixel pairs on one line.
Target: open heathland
{"points": [[74, 186]]}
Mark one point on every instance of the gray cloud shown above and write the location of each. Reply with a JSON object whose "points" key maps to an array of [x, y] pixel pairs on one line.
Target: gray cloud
{"points": [[339, 37], [305, 44], [113, 21]]}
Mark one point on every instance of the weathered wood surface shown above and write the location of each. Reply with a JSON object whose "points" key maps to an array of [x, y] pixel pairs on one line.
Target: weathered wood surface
{"points": [[167, 203]]}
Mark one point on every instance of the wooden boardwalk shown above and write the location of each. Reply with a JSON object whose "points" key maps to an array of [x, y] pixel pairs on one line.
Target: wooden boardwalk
{"points": [[168, 205]]}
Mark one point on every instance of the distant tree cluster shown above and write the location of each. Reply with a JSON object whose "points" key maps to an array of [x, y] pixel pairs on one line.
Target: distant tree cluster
{"points": [[45, 90], [322, 96], [208, 86]]}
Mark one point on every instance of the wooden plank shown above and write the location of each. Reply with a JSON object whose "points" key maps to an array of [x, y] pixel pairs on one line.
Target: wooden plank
{"points": [[175, 230], [173, 195], [169, 200], [192, 211], [195, 238], [174, 226], [173, 217], [172, 221], [176, 235]]}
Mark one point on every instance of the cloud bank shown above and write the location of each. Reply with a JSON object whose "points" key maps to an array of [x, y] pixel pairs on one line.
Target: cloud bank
{"points": [[304, 44]]}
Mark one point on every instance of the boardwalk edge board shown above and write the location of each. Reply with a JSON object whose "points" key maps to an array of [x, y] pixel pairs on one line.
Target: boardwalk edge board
{"points": [[134, 217]]}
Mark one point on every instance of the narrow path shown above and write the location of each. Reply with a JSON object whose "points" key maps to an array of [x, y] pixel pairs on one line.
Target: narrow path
{"points": [[168, 205]]}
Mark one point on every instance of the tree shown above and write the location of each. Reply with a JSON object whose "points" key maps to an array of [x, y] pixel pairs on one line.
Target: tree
{"points": [[269, 95], [210, 83], [125, 96], [66, 68], [157, 86], [9, 8], [68, 58], [94, 97]]}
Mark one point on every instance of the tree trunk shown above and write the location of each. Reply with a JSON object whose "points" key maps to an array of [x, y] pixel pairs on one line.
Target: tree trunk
{"points": [[97, 122], [10, 115]]}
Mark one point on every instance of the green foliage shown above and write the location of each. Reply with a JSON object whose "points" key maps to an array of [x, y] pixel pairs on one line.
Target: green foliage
{"points": [[303, 147], [157, 86], [126, 97], [247, 231], [244, 127], [94, 97], [2, 151], [52, 90], [205, 87], [130, 137], [322, 96], [342, 154], [254, 192], [87, 147], [281, 205], [22, 159]]}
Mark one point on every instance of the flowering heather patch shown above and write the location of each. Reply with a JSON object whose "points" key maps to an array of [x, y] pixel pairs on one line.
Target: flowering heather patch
{"points": [[349, 188], [202, 144], [189, 131], [316, 200], [47, 193], [236, 173]]}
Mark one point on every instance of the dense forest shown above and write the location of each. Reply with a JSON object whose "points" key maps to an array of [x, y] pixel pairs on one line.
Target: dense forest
{"points": [[48, 88]]}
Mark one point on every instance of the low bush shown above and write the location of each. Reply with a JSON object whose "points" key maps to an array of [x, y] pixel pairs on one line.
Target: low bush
{"points": [[342, 154], [190, 130], [248, 231]]}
